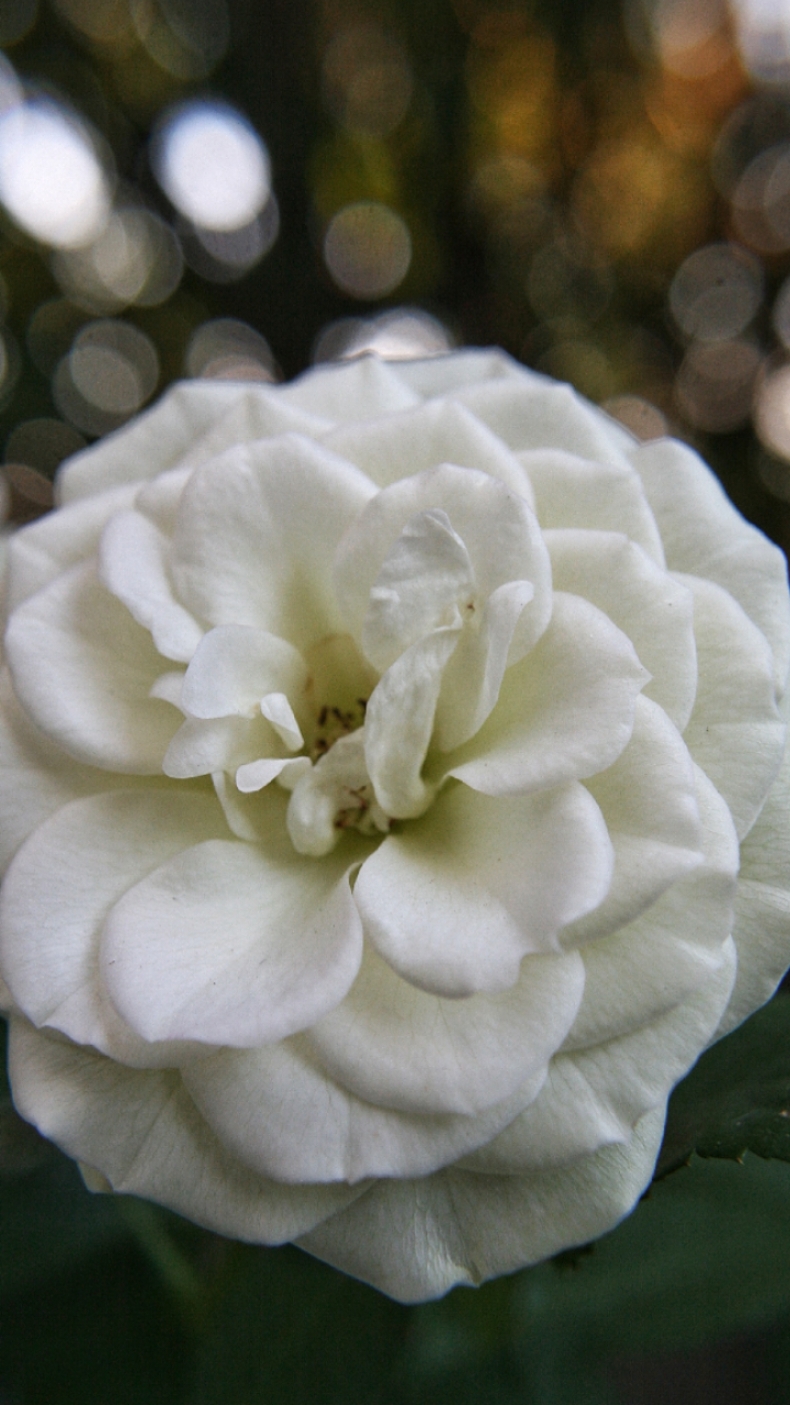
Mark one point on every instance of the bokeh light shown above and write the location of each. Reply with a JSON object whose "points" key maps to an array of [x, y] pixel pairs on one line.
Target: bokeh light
{"points": [[136, 259], [368, 81], [368, 249], [644, 420], [109, 373], [187, 38], [51, 178], [227, 349], [42, 444], [772, 411], [716, 292], [103, 21], [212, 165], [715, 384], [763, 30], [224, 256]]}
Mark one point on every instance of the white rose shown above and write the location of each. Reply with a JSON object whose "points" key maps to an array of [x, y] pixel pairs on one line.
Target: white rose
{"points": [[376, 756]]}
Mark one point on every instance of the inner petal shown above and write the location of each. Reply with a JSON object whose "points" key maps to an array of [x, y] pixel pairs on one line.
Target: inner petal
{"points": [[426, 581]]}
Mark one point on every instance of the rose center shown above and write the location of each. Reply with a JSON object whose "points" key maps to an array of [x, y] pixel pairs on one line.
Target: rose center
{"points": [[334, 795]]}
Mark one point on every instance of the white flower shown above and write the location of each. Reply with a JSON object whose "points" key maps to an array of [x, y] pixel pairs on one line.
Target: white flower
{"points": [[376, 757]]}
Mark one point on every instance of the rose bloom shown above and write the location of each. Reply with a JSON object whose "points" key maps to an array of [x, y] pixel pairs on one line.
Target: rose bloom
{"points": [[392, 810]]}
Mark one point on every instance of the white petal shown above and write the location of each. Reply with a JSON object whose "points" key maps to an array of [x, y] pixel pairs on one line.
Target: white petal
{"points": [[671, 949], [415, 1239], [604, 497], [467, 366], [36, 776], [160, 499], [193, 421], [237, 556], [473, 676], [233, 944], [735, 733], [437, 432], [533, 412], [256, 412], [41, 552], [457, 899], [234, 666], [199, 748], [322, 792], [279, 1112], [497, 527], [652, 607], [277, 710], [424, 578], [142, 1132], [565, 712], [91, 851], [649, 802], [399, 722], [360, 389], [593, 1098], [399, 1047], [168, 687], [84, 670], [256, 774], [133, 564], [704, 535], [762, 903]]}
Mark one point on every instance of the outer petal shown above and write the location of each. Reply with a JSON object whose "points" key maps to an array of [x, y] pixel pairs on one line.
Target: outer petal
{"points": [[361, 389], [468, 366], [306, 1127], [605, 496], [91, 851], [457, 899], [234, 944], [735, 733], [533, 412], [649, 803], [417, 1239], [237, 556], [36, 776], [565, 712], [399, 1047], [133, 565], [84, 670], [654, 609], [594, 1097], [191, 423], [705, 536], [672, 949], [762, 903], [440, 431], [142, 1132], [41, 552]]}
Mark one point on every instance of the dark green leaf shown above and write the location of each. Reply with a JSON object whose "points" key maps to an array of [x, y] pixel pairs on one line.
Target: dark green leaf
{"points": [[737, 1098], [49, 1221], [705, 1254]]}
